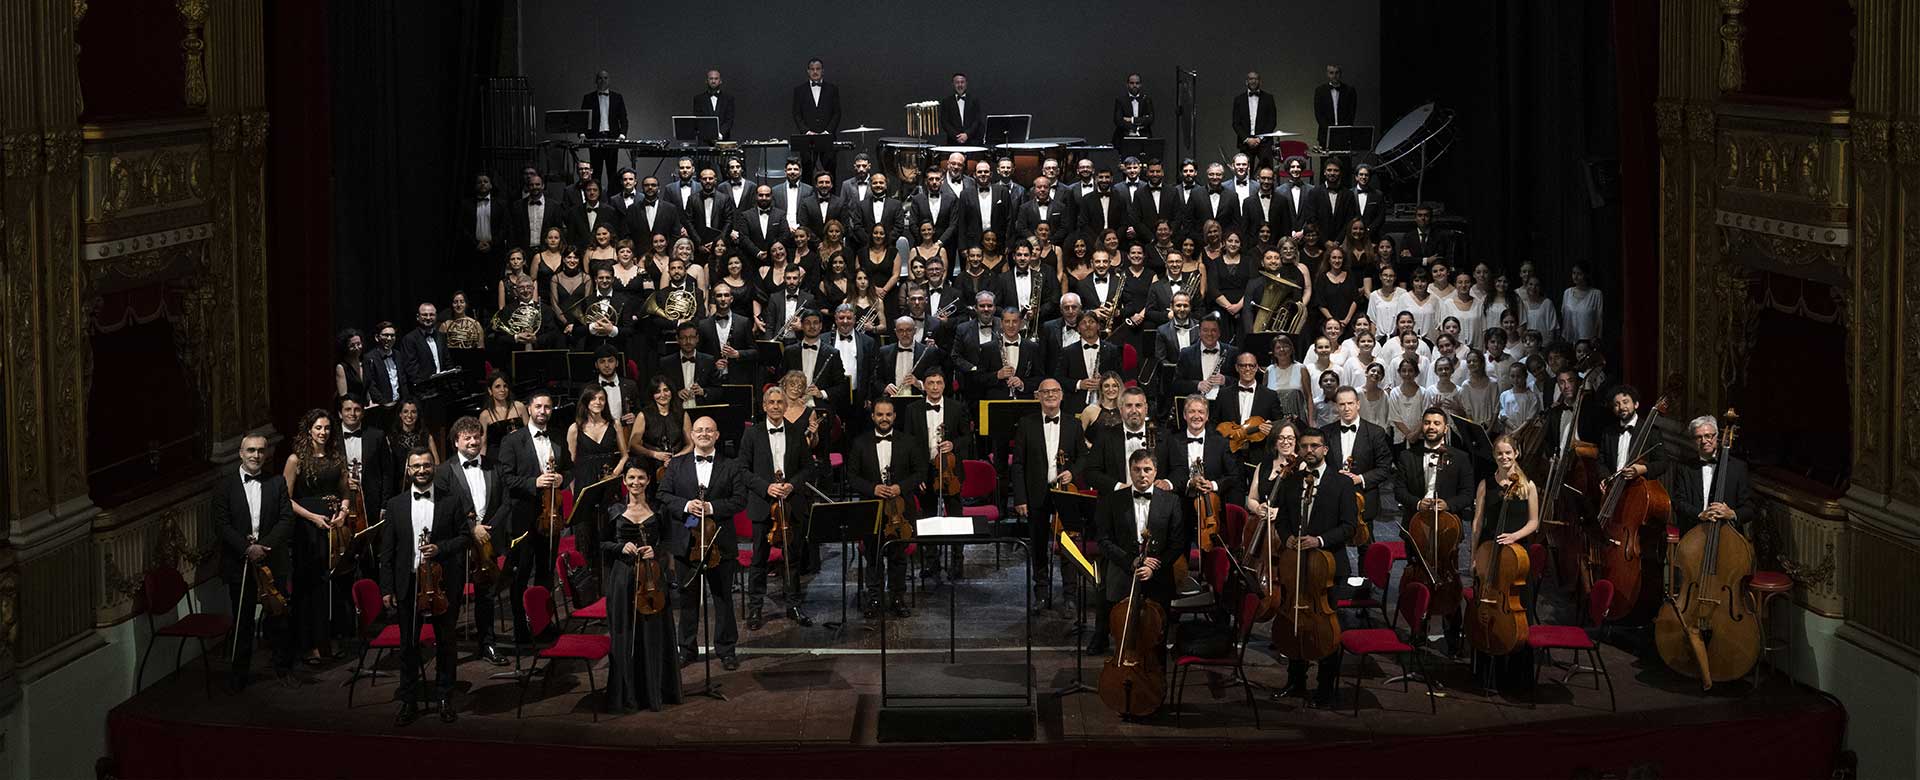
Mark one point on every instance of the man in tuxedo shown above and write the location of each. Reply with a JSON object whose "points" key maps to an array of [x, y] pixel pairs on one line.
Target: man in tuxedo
{"points": [[1039, 209], [776, 461], [685, 183], [1105, 466], [423, 351], [422, 523], [1695, 478], [486, 486], [1081, 365], [604, 316], [1246, 399], [1369, 204], [961, 115], [788, 192], [607, 120], [1435, 476], [898, 367], [1175, 455], [1103, 208], [1009, 365], [628, 192], [1264, 206], [887, 463], [715, 102], [1101, 287], [940, 424], [531, 214], [786, 303], [386, 379], [855, 352], [1254, 113], [1132, 112], [1334, 103], [652, 215], [1202, 367], [366, 446], [1422, 246], [1359, 449], [484, 231], [1047, 447], [1615, 441], [591, 215], [971, 336], [1033, 291], [815, 358], [1171, 340], [877, 208], [1332, 202], [728, 335], [819, 206], [1059, 333], [816, 109], [688, 370], [1215, 202], [1155, 202], [1003, 177], [854, 189], [735, 185], [533, 460], [756, 229], [623, 394], [698, 485], [571, 196], [525, 296], [937, 205], [1331, 516], [710, 215], [1122, 516], [987, 207], [255, 525], [1240, 180]]}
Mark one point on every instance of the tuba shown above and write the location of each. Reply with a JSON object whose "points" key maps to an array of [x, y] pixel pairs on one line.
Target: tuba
{"points": [[1279, 306], [679, 307]]}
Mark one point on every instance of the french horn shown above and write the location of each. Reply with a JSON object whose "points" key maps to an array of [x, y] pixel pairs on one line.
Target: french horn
{"points": [[679, 307]]}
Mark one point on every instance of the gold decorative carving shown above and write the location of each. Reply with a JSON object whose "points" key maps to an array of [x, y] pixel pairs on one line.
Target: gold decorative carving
{"points": [[1700, 124], [1870, 134], [10, 611], [1669, 120], [161, 178], [23, 155], [1868, 312], [1906, 141], [1733, 64], [193, 49], [1786, 254]]}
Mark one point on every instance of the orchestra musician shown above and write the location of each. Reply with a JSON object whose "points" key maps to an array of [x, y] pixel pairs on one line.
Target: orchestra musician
{"points": [[1080, 365], [1202, 367], [716, 102], [1247, 398], [884, 463], [704, 472], [533, 460], [1331, 518], [1360, 448], [898, 367], [486, 486], [645, 664], [254, 522], [1692, 480], [777, 462], [1175, 455], [424, 523], [1105, 464], [688, 370], [924, 420], [1434, 476], [1615, 441], [603, 315], [1010, 363], [1142, 505], [728, 335], [816, 109], [1042, 441]]}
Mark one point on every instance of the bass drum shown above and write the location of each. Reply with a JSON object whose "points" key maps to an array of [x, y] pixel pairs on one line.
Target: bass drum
{"points": [[899, 155], [1415, 142]]}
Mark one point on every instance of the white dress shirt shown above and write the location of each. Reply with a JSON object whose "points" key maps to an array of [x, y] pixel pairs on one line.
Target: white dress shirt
{"points": [[1706, 483], [605, 109], [1050, 433], [542, 446], [1140, 507], [849, 351], [483, 219], [422, 517], [476, 486], [902, 367], [883, 452], [251, 487], [777, 445], [1625, 442]]}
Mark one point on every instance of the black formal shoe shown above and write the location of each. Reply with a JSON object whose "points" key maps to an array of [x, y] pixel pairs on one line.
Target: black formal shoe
{"points": [[1324, 701], [798, 617], [1292, 691], [729, 662], [446, 711], [900, 610], [688, 657], [491, 655], [408, 714], [754, 618], [1098, 646], [869, 611]]}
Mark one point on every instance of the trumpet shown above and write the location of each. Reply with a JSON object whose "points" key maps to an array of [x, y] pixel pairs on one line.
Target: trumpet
{"points": [[947, 310], [871, 319], [1032, 322]]}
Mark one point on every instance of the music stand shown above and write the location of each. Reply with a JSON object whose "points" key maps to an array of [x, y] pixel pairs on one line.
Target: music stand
{"points": [[846, 522], [565, 121], [696, 129], [580, 368], [815, 151], [1472, 437], [1141, 147], [1008, 129], [1259, 343], [729, 417], [539, 366], [1347, 139], [1076, 516]]}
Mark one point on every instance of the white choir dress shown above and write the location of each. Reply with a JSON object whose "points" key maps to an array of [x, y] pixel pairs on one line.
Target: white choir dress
{"points": [[1580, 314]]}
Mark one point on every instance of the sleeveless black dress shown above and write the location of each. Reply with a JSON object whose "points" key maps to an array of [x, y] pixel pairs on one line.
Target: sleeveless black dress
{"points": [[644, 668]]}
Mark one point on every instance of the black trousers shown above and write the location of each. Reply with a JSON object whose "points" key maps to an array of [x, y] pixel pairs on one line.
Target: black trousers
{"points": [[1039, 542], [1327, 679], [279, 638], [445, 648], [532, 564], [789, 569], [896, 569], [719, 581]]}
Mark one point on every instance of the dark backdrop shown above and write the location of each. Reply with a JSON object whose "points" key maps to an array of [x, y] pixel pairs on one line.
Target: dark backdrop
{"points": [[1062, 61]]}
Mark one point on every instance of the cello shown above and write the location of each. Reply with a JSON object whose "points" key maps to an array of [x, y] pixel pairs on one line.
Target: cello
{"points": [[1133, 681], [1707, 628], [1433, 536], [1310, 629], [1260, 544], [1631, 509], [1496, 619]]}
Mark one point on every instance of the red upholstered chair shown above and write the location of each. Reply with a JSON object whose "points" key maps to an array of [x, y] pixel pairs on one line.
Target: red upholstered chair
{"points": [[1285, 149], [164, 588], [366, 610], [633, 370], [1233, 524], [1363, 642], [595, 611], [979, 490], [1537, 560], [1545, 639], [1377, 566], [1129, 359], [743, 530], [1234, 659], [589, 648]]}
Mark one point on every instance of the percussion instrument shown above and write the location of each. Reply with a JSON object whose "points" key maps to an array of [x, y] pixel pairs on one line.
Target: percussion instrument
{"points": [[898, 154], [941, 153], [1028, 156], [1415, 142], [923, 119]]}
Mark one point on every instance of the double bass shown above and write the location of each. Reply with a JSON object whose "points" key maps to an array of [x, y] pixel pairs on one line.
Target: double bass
{"points": [[1308, 629], [1496, 618], [1631, 509], [1433, 536], [1572, 469], [1133, 681], [1706, 627]]}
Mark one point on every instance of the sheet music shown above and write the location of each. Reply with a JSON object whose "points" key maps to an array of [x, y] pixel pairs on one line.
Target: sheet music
{"points": [[945, 526]]}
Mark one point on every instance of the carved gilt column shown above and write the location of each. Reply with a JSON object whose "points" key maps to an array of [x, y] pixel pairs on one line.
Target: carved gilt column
{"points": [[236, 100], [1904, 250], [1675, 182], [1868, 310]]}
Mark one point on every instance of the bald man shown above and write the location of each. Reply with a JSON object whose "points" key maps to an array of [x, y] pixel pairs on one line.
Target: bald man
{"points": [[703, 484]]}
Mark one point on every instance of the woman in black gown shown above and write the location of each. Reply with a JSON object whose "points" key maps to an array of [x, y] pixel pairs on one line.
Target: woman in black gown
{"points": [[1336, 291], [1506, 510], [644, 668], [660, 429], [317, 478], [350, 370]]}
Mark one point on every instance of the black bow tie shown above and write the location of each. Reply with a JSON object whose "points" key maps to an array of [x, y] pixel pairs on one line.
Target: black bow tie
{"points": [[535, 201], [813, 83], [1143, 495], [1247, 389], [776, 431], [1349, 428], [1013, 345], [419, 495], [1196, 440], [1133, 435], [959, 97], [1211, 350], [472, 464], [609, 383], [703, 458], [686, 358], [486, 198], [1055, 420], [353, 434], [1085, 345], [1022, 273], [539, 434], [245, 478], [846, 337], [809, 346], [933, 407], [883, 437], [1099, 279]]}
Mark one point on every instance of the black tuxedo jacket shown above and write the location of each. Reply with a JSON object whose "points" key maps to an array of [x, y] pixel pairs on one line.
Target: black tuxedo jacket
{"points": [[964, 352], [499, 222], [999, 216], [1375, 212], [670, 190], [1113, 531], [1454, 484], [1331, 214], [812, 218], [520, 466], [1200, 209], [1245, 126], [822, 117], [1147, 215], [946, 224], [726, 488], [756, 460], [1123, 108], [1333, 517], [378, 465], [521, 224], [1188, 369], [1372, 458], [739, 336], [773, 315], [1028, 366], [1105, 462], [753, 240], [551, 336], [1226, 406], [880, 371], [1090, 295], [380, 388], [853, 189], [604, 213], [1166, 346], [1279, 214], [1435, 242], [450, 532], [695, 215], [1323, 113], [722, 108], [1683, 485], [1119, 215], [954, 413], [1170, 460], [1607, 438], [451, 477], [908, 469], [704, 372], [616, 113], [233, 521], [416, 359], [974, 125], [1043, 289], [860, 219], [668, 220], [1030, 456], [1027, 220], [1070, 366], [828, 374]]}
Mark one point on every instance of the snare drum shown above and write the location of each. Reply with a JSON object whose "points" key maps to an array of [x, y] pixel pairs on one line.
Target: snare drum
{"points": [[899, 154]]}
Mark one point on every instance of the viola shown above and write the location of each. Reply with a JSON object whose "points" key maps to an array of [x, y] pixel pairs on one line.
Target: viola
{"points": [[345, 543], [486, 563], [1239, 437], [948, 474], [429, 598], [1631, 510], [709, 555], [1133, 679], [1432, 537], [1362, 535], [1497, 619], [1207, 507], [1307, 628], [551, 520], [649, 578], [1707, 628], [780, 530], [264, 590], [893, 512]]}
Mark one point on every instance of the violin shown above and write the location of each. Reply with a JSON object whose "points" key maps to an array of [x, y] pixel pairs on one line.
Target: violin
{"points": [[1362, 535], [264, 590], [948, 475], [1631, 509], [709, 556], [1133, 679], [1497, 619], [649, 589], [1060, 482], [486, 564], [780, 526], [1309, 629], [1207, 507], [1239, 436], [551, 520], [344, 543], [1706, 627], [428, 596], [1433, 536], [893, 512]]}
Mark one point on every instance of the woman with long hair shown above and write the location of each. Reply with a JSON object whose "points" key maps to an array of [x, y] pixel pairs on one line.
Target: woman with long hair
{"points": [[595, 439], [500, 405], [835, 283], [1506, 507], [1361, 257], [407, 433], [570, 285], [350, 368], [662, 429], [833, 241], [1336, 294], [747, 298], [644, 668], [553, 253], [318, 484], [601, 251], [516, 264], [1107, 411], [1286, 434], [881, 260]]}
